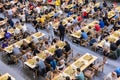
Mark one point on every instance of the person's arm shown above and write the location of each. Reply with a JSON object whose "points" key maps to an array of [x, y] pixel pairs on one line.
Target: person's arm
{"points": [[51, 75]]}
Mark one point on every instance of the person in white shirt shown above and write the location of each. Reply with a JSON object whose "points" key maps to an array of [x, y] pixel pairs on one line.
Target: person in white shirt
{"points": [[63, 5], [22, 17], [111, 76], [24, 28], [38, 9], [17, 31], [76, 28], [44, 1], [50, 31], [1, 30], [69, 23], [12, 2], [106, 45], [61, 65], [35, 40]]}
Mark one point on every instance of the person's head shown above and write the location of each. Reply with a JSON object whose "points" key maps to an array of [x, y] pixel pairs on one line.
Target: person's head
{"points": [[50, 23], [62, 62], [67, 78], [57, 46], [47, 54], [66, 42], [74, 17], [78, 70], [106, 39], [113, 74], [82, 30], [100, 19], [14, 46], [37, 59], [5, 31], [61, 22], [17, 22], [89, 27]]}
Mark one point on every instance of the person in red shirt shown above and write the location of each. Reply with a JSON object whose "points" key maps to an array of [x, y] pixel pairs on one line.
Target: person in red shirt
{"points": [[97, 27], [49, 1], [85, 14], [79, 18]]}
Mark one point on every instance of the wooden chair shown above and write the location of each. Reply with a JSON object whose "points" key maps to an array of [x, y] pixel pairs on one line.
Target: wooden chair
{"points": [[94, 47], [89, 74], [98, 67], [77, 57], [84, 43], [14, 58]]}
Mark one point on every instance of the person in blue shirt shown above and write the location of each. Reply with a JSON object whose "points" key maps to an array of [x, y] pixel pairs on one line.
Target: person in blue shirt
{"points": [[69, 14], [7, 35], [101, 23], [74, 20], [5, 44], [84, 35], [58, 52], [79, 75], [118, 71], [56, 14], [40, 65]]}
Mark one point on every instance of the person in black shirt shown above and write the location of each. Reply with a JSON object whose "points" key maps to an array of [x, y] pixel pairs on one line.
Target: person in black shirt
{"points": [[118, 42], [49, 58], [67, 47], [58, 52], [104, 4], [61, 30], [113, 46], [1, 19]]}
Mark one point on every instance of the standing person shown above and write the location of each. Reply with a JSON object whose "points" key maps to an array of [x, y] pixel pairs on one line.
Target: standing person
{"points": [[50, 31], [10, 21], [61, 30], [22, 17]]}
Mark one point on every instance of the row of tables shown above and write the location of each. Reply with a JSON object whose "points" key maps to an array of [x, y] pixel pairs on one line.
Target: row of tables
{"points": [[8, 3], [82, 63], [28, 40], [42, 55], [112, 12], [11, 31], [64, 21], [6, 76], [111, 38], [3, 22], [77, 34]]}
